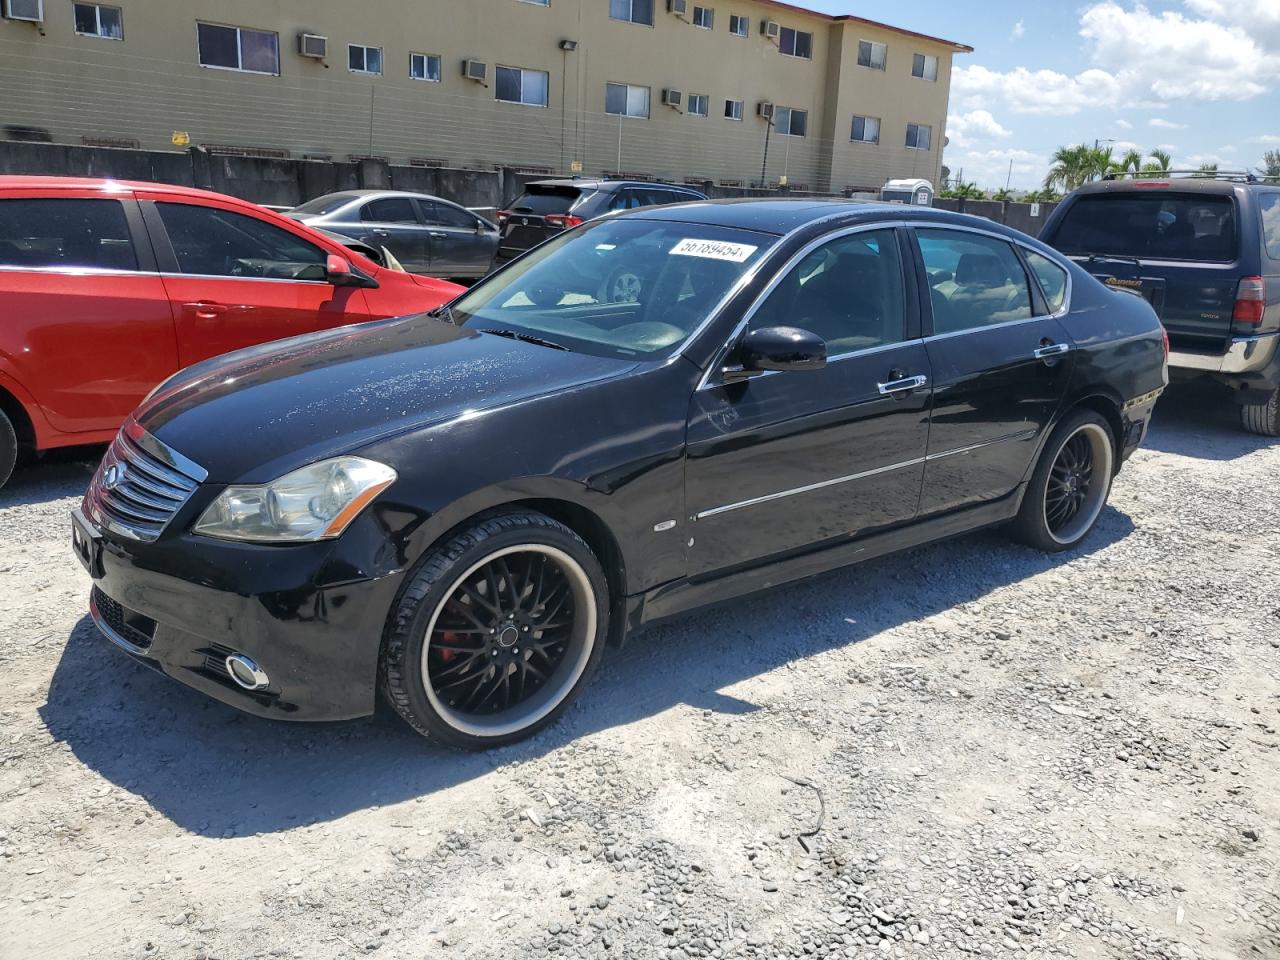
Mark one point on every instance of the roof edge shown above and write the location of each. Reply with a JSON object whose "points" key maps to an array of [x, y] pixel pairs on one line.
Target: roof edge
{"points": [[850, 18]]}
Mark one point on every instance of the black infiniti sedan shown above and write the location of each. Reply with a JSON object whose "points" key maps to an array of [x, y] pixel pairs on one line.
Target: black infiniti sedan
{"points": [[460, 510]]}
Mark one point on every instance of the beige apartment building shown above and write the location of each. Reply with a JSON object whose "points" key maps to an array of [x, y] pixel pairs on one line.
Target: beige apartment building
{"points": [[720, 90]]}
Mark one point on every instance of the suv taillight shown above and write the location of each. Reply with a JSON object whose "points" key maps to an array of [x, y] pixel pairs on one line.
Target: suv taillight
{"points": [[503, 216], [1251, 301], [1165, 331], [562, 220]]}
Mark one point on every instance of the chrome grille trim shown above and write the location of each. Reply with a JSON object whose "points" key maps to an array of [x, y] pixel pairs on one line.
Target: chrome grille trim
{"points": [[153, 482]]}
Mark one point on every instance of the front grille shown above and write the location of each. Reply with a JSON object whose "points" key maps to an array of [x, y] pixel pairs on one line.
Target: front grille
{"points": [[135, 629], [141, 484]]}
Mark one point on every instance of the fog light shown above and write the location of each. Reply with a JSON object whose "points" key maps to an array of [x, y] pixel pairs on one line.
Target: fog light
{"points": [[246, 673]]}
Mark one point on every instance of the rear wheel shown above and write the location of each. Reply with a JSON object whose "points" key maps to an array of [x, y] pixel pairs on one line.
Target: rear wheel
{"points": [[8, 448], [1070, 484], [1263, 418], [497, 632]]}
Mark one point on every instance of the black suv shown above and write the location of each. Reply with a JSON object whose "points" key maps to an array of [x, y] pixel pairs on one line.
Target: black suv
{"points": [[1205, 252], [548, 207]]}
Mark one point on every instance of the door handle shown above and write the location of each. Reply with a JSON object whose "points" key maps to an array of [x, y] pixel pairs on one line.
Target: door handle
{"points": [[381, 233], [903, 385], [207, 310], [439, 236], [1052, 350]]}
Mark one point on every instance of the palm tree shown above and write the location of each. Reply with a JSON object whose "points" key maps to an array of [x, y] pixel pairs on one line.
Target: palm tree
{"points": [[1131, 162], [1207, 171], [1101, 162], [1075, 166], [1160, 162], [963, 191]]}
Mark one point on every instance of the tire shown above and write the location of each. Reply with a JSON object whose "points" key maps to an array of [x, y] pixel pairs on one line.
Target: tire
{"points": [[448, 640], [8, 449], [622, 285], [1070, 484], [1262, 418]]}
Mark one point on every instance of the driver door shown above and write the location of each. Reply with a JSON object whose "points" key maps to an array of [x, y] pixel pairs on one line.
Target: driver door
{"points": [[236, 280], [787, 461]]}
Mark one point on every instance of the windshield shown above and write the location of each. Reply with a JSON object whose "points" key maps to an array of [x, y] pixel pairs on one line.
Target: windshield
{"points": [[1151, 226], [327, 204], [620, 287]]}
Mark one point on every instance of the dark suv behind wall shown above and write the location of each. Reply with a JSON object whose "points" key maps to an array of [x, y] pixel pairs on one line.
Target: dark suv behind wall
{"points": [[1206, 253], [548, 207]]}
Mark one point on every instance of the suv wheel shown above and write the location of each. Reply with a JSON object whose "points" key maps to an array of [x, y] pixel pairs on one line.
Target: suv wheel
{"points": [[1070, 484], [1263, 418], [497, 631], [8, 449]]}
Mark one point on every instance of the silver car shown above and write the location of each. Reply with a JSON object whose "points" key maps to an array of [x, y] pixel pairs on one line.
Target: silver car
{"points": [[426, 234]]}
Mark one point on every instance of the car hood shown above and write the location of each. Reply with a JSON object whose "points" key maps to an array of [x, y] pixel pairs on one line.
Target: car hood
{"points": [[254, 415]]}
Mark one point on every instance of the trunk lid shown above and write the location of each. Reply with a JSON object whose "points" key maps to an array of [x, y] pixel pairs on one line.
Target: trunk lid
{"points": [[527, 226]]}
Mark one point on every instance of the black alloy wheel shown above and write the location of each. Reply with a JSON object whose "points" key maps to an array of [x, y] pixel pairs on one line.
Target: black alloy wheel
{"points": [[496, 632]]}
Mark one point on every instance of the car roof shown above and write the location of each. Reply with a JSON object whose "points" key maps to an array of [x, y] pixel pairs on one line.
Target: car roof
{"points": [[779, 216], [600, 183], [106, 184], [365, 194]]}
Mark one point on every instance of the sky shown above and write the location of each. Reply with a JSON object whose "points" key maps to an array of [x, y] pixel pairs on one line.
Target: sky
{"points": [[1197, 78]]}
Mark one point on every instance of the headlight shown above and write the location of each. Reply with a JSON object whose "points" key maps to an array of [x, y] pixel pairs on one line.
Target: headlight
{"points": [[315, 503]]}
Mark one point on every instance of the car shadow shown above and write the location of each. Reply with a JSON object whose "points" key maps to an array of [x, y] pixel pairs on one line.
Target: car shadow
{"points": [[1199, 419], [216, 772], [58, 474]]}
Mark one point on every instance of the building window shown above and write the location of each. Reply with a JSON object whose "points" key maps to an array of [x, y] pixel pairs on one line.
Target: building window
{"points": [[919, 137], [866, 130], [790, 122], [733, 109], [739, 25], [699, 104], [95, 20], [634, 11], [704, 17], [624, 100], [424, 66], [234, 48], [364, 59], [924, 67], [796, 43], [872, 55], [529, 87]]}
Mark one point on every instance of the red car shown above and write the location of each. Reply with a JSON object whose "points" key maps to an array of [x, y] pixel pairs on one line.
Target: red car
{"points": [[108, 287]]}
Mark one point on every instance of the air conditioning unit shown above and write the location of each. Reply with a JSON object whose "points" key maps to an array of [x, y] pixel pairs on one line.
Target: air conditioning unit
{"points": [[313, 46], [30, 10], [672, 98], [678, 7], [771, 29], [764, 109], [476, 70]]}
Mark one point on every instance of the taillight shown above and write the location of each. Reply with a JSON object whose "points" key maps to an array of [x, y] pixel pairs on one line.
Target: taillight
{"points": [[1251, 301], [562, 220], [503, 216], [1165, 331]]}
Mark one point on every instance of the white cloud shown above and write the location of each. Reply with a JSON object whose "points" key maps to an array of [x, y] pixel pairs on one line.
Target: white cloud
{"points": [[1019, 30], [965, 128], [989, 169], [1124, 124], [1268, 140], [1160, 124], [1143, 59]]}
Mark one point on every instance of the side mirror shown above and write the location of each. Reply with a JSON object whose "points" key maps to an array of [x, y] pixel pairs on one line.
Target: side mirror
{"points": [[481, 228], [780, 349], [339, 272]]}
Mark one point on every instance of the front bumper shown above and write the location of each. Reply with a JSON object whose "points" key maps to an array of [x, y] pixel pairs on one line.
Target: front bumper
{"points": [[1245, 355], [183, 605]]}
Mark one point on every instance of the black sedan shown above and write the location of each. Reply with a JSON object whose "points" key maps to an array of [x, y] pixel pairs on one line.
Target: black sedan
{"points": [[460, 510]]}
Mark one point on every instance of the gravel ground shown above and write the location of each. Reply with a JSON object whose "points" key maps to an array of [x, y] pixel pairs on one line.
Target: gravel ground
{"points": [[967, 750]]}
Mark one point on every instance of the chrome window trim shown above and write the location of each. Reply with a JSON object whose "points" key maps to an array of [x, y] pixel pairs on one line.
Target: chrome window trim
{"points": [[823, 484], [178, 275], [715, 366], [77, 271]]}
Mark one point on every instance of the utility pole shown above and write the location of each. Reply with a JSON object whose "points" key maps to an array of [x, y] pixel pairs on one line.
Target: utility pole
{"points": [[764, 164]]}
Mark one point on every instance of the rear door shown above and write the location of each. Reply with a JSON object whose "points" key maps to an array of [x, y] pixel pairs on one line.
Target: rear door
{"points": [[462, 245], [1001, 363], [236, 280], [1181, 251], [526, 225], [85, 323], [395, 223]]}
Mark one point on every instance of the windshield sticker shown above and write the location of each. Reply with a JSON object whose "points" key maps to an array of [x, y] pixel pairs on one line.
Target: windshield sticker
{"points": [[714, 250], [606, 246]]}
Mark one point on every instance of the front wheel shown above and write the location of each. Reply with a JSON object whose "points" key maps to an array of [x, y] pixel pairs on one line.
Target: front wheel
{"points": [[8, 449], [497, 632], [1070, 484], [1262, 418]]}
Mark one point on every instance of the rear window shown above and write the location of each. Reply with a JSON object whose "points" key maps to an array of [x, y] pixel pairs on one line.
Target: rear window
{"points": [[1270, 203], [84, 234], [327, 204], [544, 200], [1151, 226]]}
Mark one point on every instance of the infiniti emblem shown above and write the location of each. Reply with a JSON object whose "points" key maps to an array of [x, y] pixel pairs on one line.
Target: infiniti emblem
{"points": [[113, 476]]}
